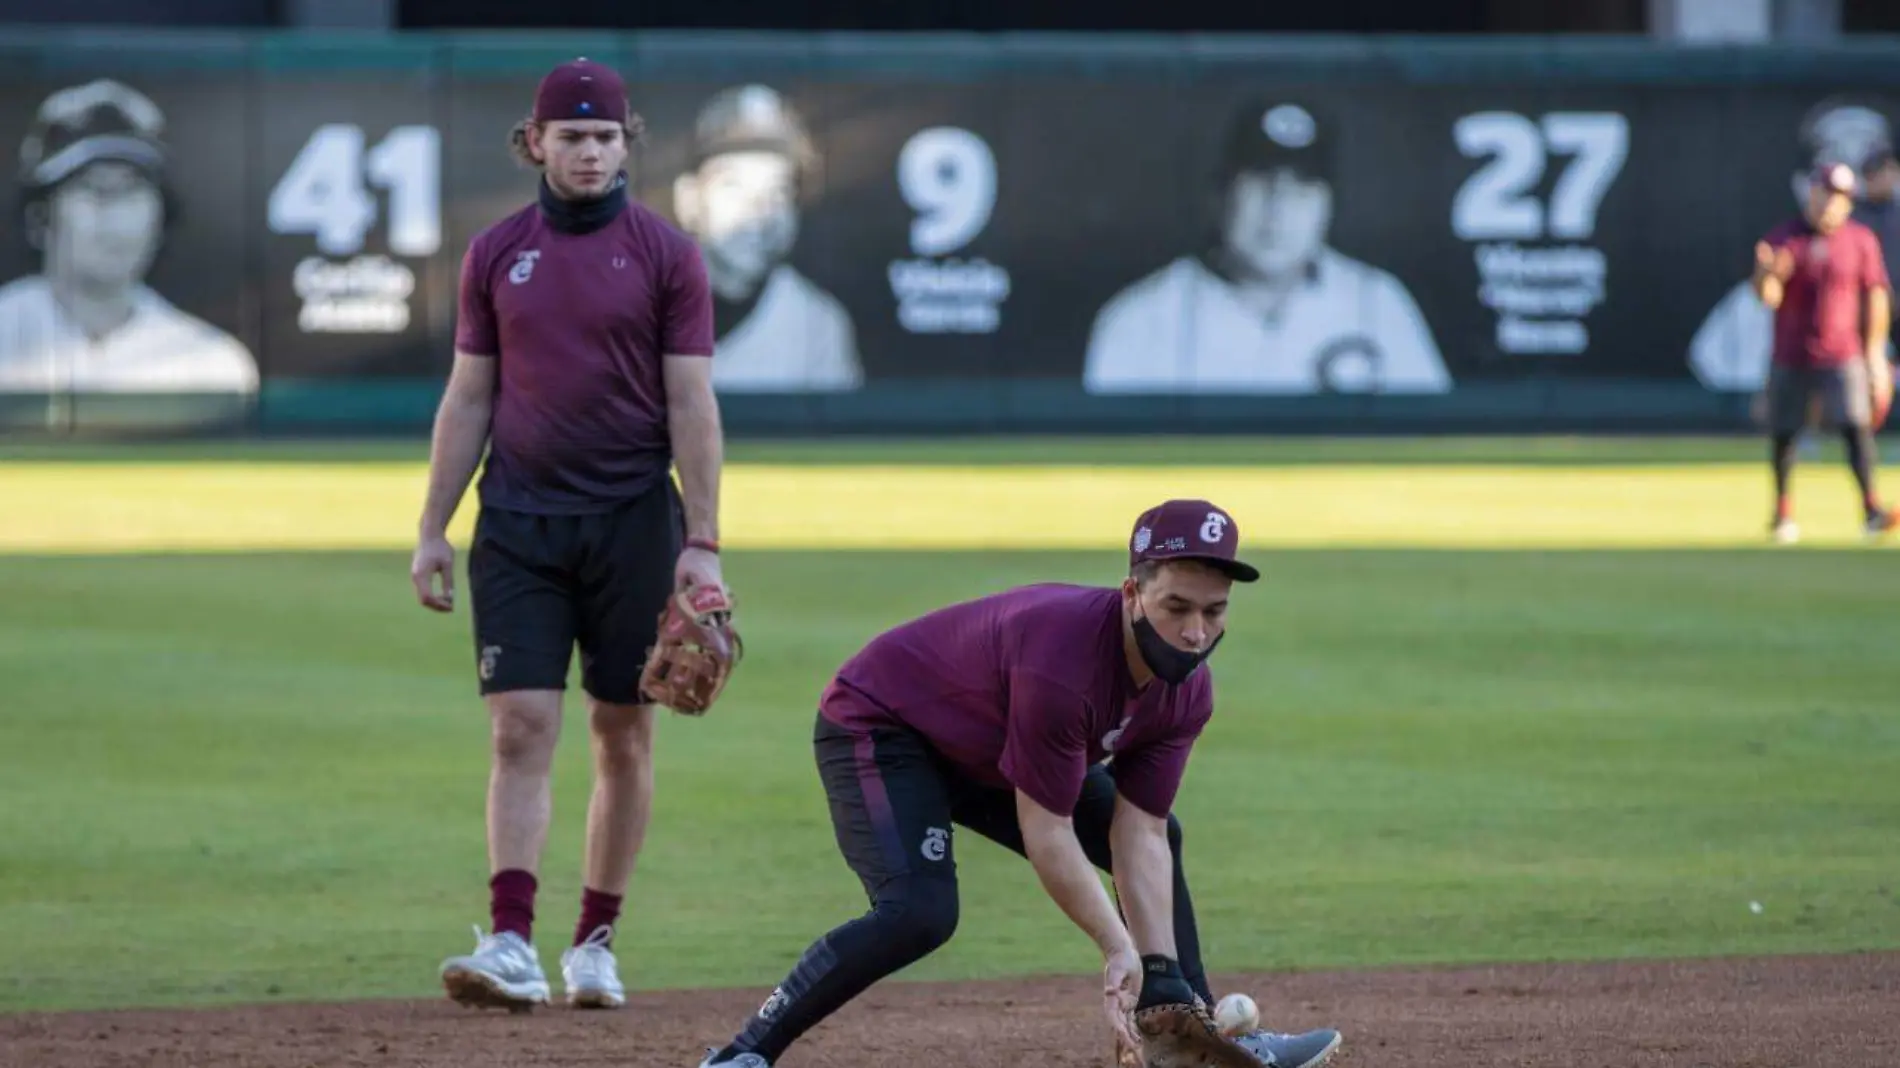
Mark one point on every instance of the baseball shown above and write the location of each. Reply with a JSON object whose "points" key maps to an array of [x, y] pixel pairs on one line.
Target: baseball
{"points": [[1236, 1015]]}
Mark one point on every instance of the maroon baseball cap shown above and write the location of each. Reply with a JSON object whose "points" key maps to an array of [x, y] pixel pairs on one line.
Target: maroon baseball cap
{"points": [[581, 89], [1190, 530], [1834, 177]]}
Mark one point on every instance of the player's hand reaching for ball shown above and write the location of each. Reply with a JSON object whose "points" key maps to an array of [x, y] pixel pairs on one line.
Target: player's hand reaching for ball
{"points": [[1121, 989], [434, 557]]}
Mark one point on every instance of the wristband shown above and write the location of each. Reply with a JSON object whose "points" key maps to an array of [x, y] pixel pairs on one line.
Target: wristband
{"points": [[709, 544], [1162, 983], [1155, 964]]}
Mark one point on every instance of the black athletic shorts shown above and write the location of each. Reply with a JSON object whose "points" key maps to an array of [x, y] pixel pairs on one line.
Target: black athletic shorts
{"points": [[895, 802], [542, 584], [1837, 395]]}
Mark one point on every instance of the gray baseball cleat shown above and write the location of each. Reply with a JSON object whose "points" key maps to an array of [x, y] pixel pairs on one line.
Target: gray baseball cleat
{"points": [[503, 973], [1291, 1051], [743, 1060], [589, 973]]}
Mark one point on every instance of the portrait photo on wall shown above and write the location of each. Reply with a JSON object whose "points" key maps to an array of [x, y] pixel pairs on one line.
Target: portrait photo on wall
{"points": [[739, 174], [87, 305], [1268, 305]]}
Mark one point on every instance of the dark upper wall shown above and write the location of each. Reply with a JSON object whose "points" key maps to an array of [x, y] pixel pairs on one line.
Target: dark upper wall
{"points": [[1870, 16], [1441, 16], [198, 13], [1336, 16]]}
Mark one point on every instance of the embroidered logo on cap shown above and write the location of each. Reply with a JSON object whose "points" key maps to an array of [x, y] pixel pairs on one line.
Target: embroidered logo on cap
{"points": [[1214, 528]]}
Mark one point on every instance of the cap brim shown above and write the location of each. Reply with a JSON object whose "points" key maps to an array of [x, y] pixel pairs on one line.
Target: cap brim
{"points": [[1233, 569], [1236, 570], [101, 148]]}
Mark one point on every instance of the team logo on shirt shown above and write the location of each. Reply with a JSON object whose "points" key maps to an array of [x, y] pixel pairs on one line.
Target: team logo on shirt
{"points": [[524, 266], [1110, 739], [1214, 528], [936, 843]]}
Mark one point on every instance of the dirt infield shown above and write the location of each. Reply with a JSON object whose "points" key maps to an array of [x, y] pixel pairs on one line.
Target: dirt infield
{"points": [[1838, 1012]]}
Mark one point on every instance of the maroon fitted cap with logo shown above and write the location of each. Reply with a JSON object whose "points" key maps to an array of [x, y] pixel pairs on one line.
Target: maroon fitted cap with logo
{"points": [[581, 89], [1190, 530]]}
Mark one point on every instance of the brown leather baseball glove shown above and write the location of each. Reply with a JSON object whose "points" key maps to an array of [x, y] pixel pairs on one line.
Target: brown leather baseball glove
{"points": [[1184, 1035], [695, 652]]}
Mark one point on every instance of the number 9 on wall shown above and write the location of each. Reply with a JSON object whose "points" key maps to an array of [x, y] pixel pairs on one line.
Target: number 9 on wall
{"points": [[948, 177]]}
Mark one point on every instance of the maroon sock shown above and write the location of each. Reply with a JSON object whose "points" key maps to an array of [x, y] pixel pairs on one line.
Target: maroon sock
{"points": [[511, 902], [597, 910]]}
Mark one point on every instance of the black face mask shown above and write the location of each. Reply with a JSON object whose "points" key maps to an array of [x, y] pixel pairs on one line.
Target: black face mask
{"points": [[1170, 665], [583, 216]]}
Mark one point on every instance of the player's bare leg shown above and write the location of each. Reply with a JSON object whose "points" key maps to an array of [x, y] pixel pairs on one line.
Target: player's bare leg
{"points": [[617, 817], [504, 970], [1781, 458], [526, 728], [1861, 453]]}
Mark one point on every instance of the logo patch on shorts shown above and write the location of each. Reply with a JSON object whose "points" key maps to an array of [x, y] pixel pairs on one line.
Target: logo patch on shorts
{"points": [[936, 843], [490, 654]]}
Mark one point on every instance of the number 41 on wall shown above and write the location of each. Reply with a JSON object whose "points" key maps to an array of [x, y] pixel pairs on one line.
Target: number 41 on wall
{"points": [[325, 191]]}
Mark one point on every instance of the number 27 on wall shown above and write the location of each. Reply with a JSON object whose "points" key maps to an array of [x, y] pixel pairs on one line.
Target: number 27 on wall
{"points": [[325, 191], [1496, 202]]}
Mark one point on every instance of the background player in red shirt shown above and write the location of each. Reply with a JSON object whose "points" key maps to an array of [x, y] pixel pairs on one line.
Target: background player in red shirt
{"points": [[997, 715], [583, 361], [1826, 279]]}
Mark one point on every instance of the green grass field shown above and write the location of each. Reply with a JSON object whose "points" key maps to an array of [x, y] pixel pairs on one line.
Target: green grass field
{"points": [[1516, 702]]}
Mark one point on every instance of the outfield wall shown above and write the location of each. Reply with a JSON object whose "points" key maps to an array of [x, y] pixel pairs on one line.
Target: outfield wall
{"points": [[983, 234]]}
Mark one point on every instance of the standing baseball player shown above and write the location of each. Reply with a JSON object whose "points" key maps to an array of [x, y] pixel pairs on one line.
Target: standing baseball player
{"points": [[583, 361], [996, 715], [1825, 279]]}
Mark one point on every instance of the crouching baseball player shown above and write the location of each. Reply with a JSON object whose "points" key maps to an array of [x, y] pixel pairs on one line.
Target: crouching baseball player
{"points": [[1055, 720]]}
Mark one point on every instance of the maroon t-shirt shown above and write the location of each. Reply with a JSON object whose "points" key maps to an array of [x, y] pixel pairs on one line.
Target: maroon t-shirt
{"points": [[1819, 323], [1027, 688], [580, 323]]}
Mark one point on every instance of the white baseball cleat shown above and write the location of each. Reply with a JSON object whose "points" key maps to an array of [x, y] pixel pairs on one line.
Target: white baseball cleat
{"points": [[1308, 1049], [504, 972], [590, 974]]}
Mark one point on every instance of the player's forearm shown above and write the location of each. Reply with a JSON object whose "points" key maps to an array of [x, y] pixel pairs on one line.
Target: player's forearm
{"points": [[699, 453], [1144, 877], [1879, 323], [1071, 881], [1768, 288], [455, 449]]}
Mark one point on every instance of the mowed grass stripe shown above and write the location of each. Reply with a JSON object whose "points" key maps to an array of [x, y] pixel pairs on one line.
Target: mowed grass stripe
{"points": [[255, 777], [94, 508]]}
